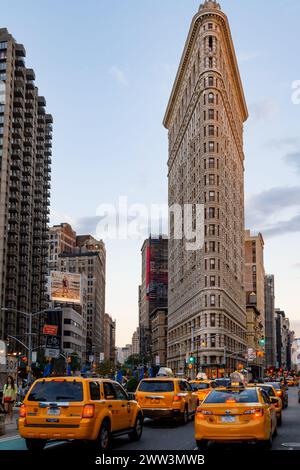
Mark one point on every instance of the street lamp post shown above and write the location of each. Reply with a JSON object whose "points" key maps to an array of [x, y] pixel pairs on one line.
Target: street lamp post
{"points": [[28, 347]]}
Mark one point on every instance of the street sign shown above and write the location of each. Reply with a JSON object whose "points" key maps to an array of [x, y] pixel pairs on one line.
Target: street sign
{"points": [[34, 356], [52, 353], [101, 357], [53, 342], [50, 330], [2, 353], [251, 354]]}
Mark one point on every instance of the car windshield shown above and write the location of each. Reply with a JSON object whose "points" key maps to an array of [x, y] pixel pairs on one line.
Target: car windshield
{"points": [[234, 396], [199, 386], [268, 389], [222, 382], [276, 385], [156, 386], [65, 391]]}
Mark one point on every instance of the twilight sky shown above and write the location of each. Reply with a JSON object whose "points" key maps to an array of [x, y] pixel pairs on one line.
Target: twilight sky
{"points": [[106, 68]]}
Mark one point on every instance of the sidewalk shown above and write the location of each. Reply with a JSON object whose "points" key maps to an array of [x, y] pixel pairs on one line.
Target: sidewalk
{"points": [[11, 430]]}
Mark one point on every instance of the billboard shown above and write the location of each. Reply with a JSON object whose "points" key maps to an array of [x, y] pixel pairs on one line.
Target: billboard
{"points": [[50, 330], [65, 287]]}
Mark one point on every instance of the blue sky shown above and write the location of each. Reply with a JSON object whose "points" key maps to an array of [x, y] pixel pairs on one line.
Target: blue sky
{"points": [[106, 68]]}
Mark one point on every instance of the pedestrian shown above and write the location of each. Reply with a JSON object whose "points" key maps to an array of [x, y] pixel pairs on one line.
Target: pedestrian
{"points": [[10, 391]]}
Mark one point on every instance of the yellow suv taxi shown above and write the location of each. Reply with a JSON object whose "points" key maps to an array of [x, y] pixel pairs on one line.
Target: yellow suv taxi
{"points": [[166, 398], [65, 408], [273, 397], [234, 414], [201, 388]]}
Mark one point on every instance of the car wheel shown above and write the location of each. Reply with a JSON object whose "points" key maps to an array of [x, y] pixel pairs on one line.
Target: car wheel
{"points": [[202, 445], [35, 445], [136, 434], [279, 420], [184, 416], [267, 445], [104, 438]]}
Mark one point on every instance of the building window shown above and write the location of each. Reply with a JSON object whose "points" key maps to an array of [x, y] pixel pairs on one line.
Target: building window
{"points": [[211, 213], [211, 130], [211, 146], [212, 300], [212, 263], [211, 179], [210, 26], [213, 320], [210, 43], [211, 98], [212, 281], [211, 162], [211, 196], [211, 114], [210, 81], [3, 45]]}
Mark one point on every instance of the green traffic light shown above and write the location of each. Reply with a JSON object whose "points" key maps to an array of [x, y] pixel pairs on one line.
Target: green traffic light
{"points": [[192, 360]]}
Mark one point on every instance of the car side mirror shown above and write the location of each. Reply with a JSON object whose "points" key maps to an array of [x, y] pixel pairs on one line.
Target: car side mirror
{"points": [[274, 400]]}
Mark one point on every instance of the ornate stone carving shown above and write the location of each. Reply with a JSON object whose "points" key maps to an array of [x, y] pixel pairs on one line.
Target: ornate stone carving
{"points": [[209, 4]]}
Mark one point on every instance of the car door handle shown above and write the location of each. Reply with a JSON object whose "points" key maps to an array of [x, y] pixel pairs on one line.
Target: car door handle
{"points": [[109, 406]]}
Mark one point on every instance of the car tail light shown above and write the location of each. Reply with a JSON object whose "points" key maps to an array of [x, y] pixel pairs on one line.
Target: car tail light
{"points": [[177, 398], [22, 411], [255, 412], [201, 414], [88, 411], [279, 393]]}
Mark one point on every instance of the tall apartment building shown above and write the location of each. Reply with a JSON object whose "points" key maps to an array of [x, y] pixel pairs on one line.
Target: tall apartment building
{"points": [[204, 118], [255, 298], [270, 336], [136, 341], [62, 239], [109, 338], [282, 326], [154, 287], [89, 258], [25, 158]]}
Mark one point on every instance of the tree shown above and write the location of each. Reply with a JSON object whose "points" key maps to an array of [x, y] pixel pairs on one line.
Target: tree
{"points": [[106, 368], [133, 360]]}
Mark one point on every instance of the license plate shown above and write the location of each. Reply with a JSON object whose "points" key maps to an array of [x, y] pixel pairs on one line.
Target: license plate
{"points": [[228, 419], [53, 411], [154, 401]]}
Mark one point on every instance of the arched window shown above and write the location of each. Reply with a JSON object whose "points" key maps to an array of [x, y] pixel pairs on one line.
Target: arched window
{"points": [[211, 98]]}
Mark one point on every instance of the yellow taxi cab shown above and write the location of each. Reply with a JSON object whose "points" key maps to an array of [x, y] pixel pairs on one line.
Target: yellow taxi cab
{"points": [[166, 397], [236, 413], [292, 381], [201, 388], [66, 408], [275, 399]]}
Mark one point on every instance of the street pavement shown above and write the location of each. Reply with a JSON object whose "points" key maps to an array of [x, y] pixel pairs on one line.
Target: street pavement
{"points": [[169, 436]]}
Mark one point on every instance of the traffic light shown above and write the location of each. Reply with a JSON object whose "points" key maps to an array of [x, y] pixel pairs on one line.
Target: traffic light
{"points": [[192, 360], [190, 366], [262, 341]]}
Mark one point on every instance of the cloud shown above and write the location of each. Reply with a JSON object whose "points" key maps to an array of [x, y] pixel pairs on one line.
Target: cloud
{"points": [[264, 109], [118, 75], [265, 211], [283, 227], [293, 159]]}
